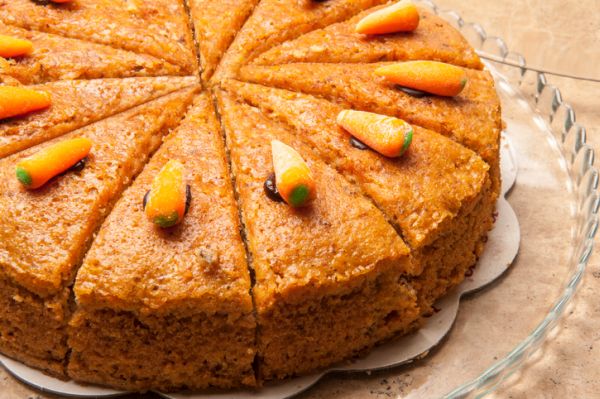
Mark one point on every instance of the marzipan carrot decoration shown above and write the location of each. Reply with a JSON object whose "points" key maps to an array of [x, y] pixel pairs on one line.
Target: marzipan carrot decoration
{"points": [[14, 47], [429, 76], [167, 201], [35, 171], [17, 100], [292, 175], [387, 135], [400, 17]]}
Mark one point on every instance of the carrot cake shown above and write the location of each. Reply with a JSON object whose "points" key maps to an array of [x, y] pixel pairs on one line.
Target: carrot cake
{"points": [[215, 23], [159, 28], [60, 58], [303, 208], [76, 103], [44, 233], [434, 39], [149, 299], [339, 255]]}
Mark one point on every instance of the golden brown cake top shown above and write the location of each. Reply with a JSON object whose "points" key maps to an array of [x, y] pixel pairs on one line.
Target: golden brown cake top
{"points": [[198, 265], [434, 39], [76, 103], [44, 232], [156, 27], [56, 57], [472, 118], [421, 192], [338, 237]]}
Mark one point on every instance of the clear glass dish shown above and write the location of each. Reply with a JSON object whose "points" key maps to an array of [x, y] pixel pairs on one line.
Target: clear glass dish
{"points": [[556, 200]]}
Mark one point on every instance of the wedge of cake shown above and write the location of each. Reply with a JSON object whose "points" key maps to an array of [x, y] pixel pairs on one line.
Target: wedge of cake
{"points": [[434, 39], [472, 118], [171, 308], [156, 27], [275, 21], [437, 194], [60, 58], [76, 103], [216, 22], [330, 277], [45, 233]]}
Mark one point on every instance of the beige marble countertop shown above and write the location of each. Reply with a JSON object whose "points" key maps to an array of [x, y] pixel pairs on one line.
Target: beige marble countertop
{"points": [[553, 34]]}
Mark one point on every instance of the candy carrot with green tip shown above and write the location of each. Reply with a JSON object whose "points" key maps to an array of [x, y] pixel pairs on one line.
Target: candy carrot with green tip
{"points": [[292, 175], [35, 171], [14, 47], [429, 76], [16, 100], [400, 17], [167, 201], [388, 136]]}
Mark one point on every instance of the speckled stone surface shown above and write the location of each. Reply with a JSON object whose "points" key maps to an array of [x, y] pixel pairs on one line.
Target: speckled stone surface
{"points": [[552, 34]]}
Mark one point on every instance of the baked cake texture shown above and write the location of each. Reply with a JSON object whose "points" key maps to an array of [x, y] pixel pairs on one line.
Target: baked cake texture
{"points": [[246, 288]]}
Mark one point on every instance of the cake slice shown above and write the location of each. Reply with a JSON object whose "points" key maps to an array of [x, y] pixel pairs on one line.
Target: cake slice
{"points": [[60, 58], [44, 233], [434, 39], [438, 194], [329, 277], [159, 28], [472, 118], [171, 309], [216, 22], [275, 21], [76, 103]]}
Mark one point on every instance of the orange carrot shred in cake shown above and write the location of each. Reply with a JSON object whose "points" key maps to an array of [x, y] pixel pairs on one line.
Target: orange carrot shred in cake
{"points": [[385, 134], [166, 202], [15, 101], [14, 47], [429, 76], [35, 171], [400, 17], [292, 175]]}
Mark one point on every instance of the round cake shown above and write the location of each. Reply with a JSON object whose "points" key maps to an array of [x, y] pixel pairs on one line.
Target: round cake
{"points": [[246, 285]]}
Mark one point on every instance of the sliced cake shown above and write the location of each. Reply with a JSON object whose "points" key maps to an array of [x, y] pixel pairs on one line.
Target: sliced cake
{"points": [[60, 58], [44, 233], [434, 39], [171, 307], [437, 194], [156, 27], [275, 21], [216, 22], [472, 118], [76, 103], [329, 277]]}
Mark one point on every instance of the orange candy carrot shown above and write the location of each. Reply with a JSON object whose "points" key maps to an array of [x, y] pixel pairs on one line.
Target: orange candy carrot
{"points": [[292, 175], [166, 203], [400, 17], [428, 76], [16, 100], [386, 135], [35, 171], [14, 47]]}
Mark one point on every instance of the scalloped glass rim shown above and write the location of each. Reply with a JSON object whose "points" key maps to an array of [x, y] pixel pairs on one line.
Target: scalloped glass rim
{"points": [[558, 118]]}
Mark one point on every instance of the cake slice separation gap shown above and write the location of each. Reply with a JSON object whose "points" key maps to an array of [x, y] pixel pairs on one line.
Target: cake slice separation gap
{"points": [[155, 27], [454, 212], [175, 301], [77, 103], [61, 58], [433, 39], [216, 23], [338, 246], [275, 21], [45, 233]]}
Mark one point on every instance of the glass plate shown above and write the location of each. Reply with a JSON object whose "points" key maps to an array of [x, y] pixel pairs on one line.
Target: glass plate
{"points": [[556, 200]]}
